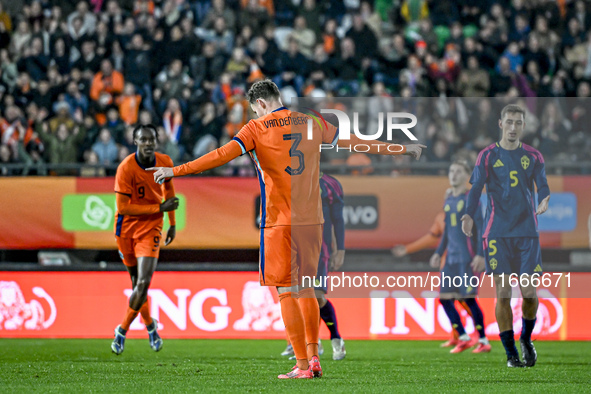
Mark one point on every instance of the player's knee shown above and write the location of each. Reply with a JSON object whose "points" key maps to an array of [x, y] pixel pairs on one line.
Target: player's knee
{"points": [[503, 291], [446, 301], [530, 301], [529, 293], [504, 303], [321, 299], [503, 295], [142, 286]]}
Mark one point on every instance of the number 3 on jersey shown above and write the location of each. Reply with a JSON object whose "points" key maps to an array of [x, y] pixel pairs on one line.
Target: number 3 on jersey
{"points": [[294, 151]]}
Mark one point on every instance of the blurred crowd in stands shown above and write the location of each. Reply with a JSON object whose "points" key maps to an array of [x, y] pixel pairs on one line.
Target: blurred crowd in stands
{"points": [[76, 76]]}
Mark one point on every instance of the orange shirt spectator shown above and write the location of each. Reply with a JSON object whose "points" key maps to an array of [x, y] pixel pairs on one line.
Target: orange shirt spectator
{"points": [[268, 4], [144, 7], [106, 83], [129, 104]]}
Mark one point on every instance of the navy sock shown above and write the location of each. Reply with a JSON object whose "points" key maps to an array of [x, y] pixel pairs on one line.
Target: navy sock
{"points": [[453, 315], [476, 315], [527, 326], [329, 316], [508, 339]]}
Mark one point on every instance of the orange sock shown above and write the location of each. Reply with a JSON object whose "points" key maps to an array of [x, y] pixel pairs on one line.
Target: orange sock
{"points": [[145, 312], [311, 311], [129, 316], [294, 325]]}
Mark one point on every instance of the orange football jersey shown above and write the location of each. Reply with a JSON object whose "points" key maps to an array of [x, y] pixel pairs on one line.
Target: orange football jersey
{"points": [[133, 180], [287, 161]]}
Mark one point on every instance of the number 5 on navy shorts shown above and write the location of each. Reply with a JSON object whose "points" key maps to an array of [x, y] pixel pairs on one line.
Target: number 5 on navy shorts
{"points": [[513, 255]]}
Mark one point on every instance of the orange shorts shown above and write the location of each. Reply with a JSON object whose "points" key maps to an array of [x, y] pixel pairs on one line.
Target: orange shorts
{"points": [[289, 253], [130, 248]]}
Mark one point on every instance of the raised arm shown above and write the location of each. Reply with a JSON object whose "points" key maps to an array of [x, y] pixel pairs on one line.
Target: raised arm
{"points": [[213, 159], [430, 239]]}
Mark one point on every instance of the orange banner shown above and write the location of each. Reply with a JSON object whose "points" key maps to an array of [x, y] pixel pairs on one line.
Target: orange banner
{"points": [[31, 214], [234, 305], [220, 213]]}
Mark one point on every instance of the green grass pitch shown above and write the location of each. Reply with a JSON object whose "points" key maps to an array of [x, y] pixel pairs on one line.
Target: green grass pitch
{"points": [[87, 365]]}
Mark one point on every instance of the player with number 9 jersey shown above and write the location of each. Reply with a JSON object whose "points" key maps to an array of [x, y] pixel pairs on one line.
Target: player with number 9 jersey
{"points": [[139, 234]]}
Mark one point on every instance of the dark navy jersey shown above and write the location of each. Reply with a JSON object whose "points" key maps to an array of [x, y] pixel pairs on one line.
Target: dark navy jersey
{"points": [[460, 249], [509, 176], [332, 209]]}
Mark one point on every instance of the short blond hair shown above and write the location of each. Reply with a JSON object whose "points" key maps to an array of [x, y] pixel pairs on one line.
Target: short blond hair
{"points": [[464, 164], [512, 109]]}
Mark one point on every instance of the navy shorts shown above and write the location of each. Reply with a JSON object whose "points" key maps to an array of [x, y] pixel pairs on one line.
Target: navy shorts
{"points": [[520, 256], [454, 281]]}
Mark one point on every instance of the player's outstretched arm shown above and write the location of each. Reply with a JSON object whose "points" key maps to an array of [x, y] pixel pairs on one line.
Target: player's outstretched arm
{"points": [[428, 240], [399, 250], [414, 150], [213, 159]]}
